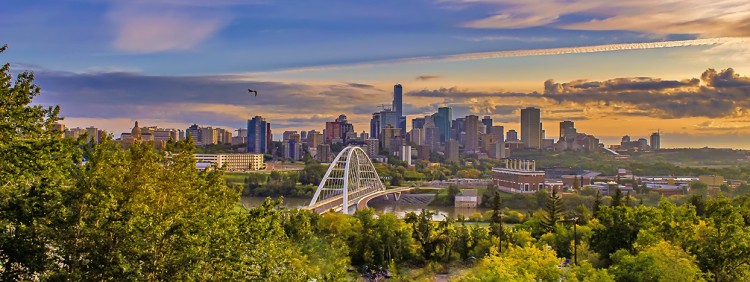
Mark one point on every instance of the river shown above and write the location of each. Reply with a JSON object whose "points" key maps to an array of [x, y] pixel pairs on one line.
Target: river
{"points": [[441, 212]]}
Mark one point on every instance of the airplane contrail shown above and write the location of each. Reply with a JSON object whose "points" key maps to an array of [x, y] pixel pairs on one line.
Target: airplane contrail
{"points": [[518, 53]]}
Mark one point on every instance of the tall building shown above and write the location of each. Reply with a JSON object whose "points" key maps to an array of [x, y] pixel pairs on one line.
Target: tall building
{"points": [[387, 135], [347, 129], [431, 134], [417, 136], [209, 135], [373, 147], [451, 151], [375, 125], [472, 133], [567, 128], [512, 135], [323, 153], [458, 126], [498, 131], [443, 119], [417, 122], [389, 117], [314, 138], [487, 121], [93, 134], [333, 132], [531, 127], [194, 132], [655, 141], [292, 149], [288, 134], [405, 154], [398, 102], [258, 135]]}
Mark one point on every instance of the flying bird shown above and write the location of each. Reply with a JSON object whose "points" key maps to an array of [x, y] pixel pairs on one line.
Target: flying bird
{"points": [[253, 91]]}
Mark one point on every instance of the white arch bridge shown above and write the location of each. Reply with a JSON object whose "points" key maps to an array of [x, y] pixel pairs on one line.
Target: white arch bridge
{"points": [[351, 179]]}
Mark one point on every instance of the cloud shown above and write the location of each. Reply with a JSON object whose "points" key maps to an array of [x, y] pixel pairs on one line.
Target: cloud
{"points": [[211, 100], [716, 94], [713, 125], [705, 19], [360, 85], [506, 38], [516, 53], [146, 27], [427, 77]]}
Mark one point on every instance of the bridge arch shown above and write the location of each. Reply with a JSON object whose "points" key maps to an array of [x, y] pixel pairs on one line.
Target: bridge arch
{"points": [[350, 177]]}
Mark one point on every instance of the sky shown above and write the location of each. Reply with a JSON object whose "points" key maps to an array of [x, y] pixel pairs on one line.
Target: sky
{"points": [[613, 67]]}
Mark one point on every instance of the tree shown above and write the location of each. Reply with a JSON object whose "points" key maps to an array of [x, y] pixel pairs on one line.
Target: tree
{"points": [[312, 173], [453, 191], [423, 231], [597, 203], [576, 183], [496, 222], [617, 198], [526, 263], [554, 209], [627, 199], [723, 245], [660, 262], [619, 228], [36, 168]]}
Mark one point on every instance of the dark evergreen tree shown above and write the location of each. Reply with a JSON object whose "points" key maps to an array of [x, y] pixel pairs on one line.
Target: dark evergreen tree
{"points": [[617, 198], [554, 209], [496, 221], [597, 203]]}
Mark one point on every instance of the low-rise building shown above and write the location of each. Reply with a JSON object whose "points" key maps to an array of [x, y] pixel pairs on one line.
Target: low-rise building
{"points": [[519, 176], [233, 162], [468, 198]]}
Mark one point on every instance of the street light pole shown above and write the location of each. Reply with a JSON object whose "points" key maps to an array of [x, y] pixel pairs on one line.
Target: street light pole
{"points": [[575, 239]]}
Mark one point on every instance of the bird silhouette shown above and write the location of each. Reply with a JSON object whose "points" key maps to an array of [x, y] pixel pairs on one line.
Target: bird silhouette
{"points": [[253, 91]]}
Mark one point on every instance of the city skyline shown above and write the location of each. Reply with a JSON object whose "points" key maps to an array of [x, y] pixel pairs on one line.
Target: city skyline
{"points": [[674, 66]]}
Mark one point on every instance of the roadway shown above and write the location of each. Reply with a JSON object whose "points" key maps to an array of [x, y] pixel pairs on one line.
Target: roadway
{"points": [[362, 203]]}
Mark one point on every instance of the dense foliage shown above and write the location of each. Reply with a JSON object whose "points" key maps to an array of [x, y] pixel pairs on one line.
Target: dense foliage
{"points": [[71, 210]]}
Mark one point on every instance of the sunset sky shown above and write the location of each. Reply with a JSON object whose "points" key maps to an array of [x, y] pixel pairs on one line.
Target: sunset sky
{"points": [[613, 67]]}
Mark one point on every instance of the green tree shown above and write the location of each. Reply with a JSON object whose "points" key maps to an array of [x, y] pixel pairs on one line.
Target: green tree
{"points": [[423, 232], [617, 198], [723, 245], [36, 169], [496, 221], [619, 227], [597, 203], [526, 263], [660, 262], [554, 209]]}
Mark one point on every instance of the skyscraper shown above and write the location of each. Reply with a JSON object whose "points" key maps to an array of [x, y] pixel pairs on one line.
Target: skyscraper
{"points": [[512, 135], [417, 122], [388, 117], [531, 127], [567, 127], [487, 121], [451, 151], [375, 125], [472, 133], [258, 135], [398, 102], [443, 122], [656, 141]]}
